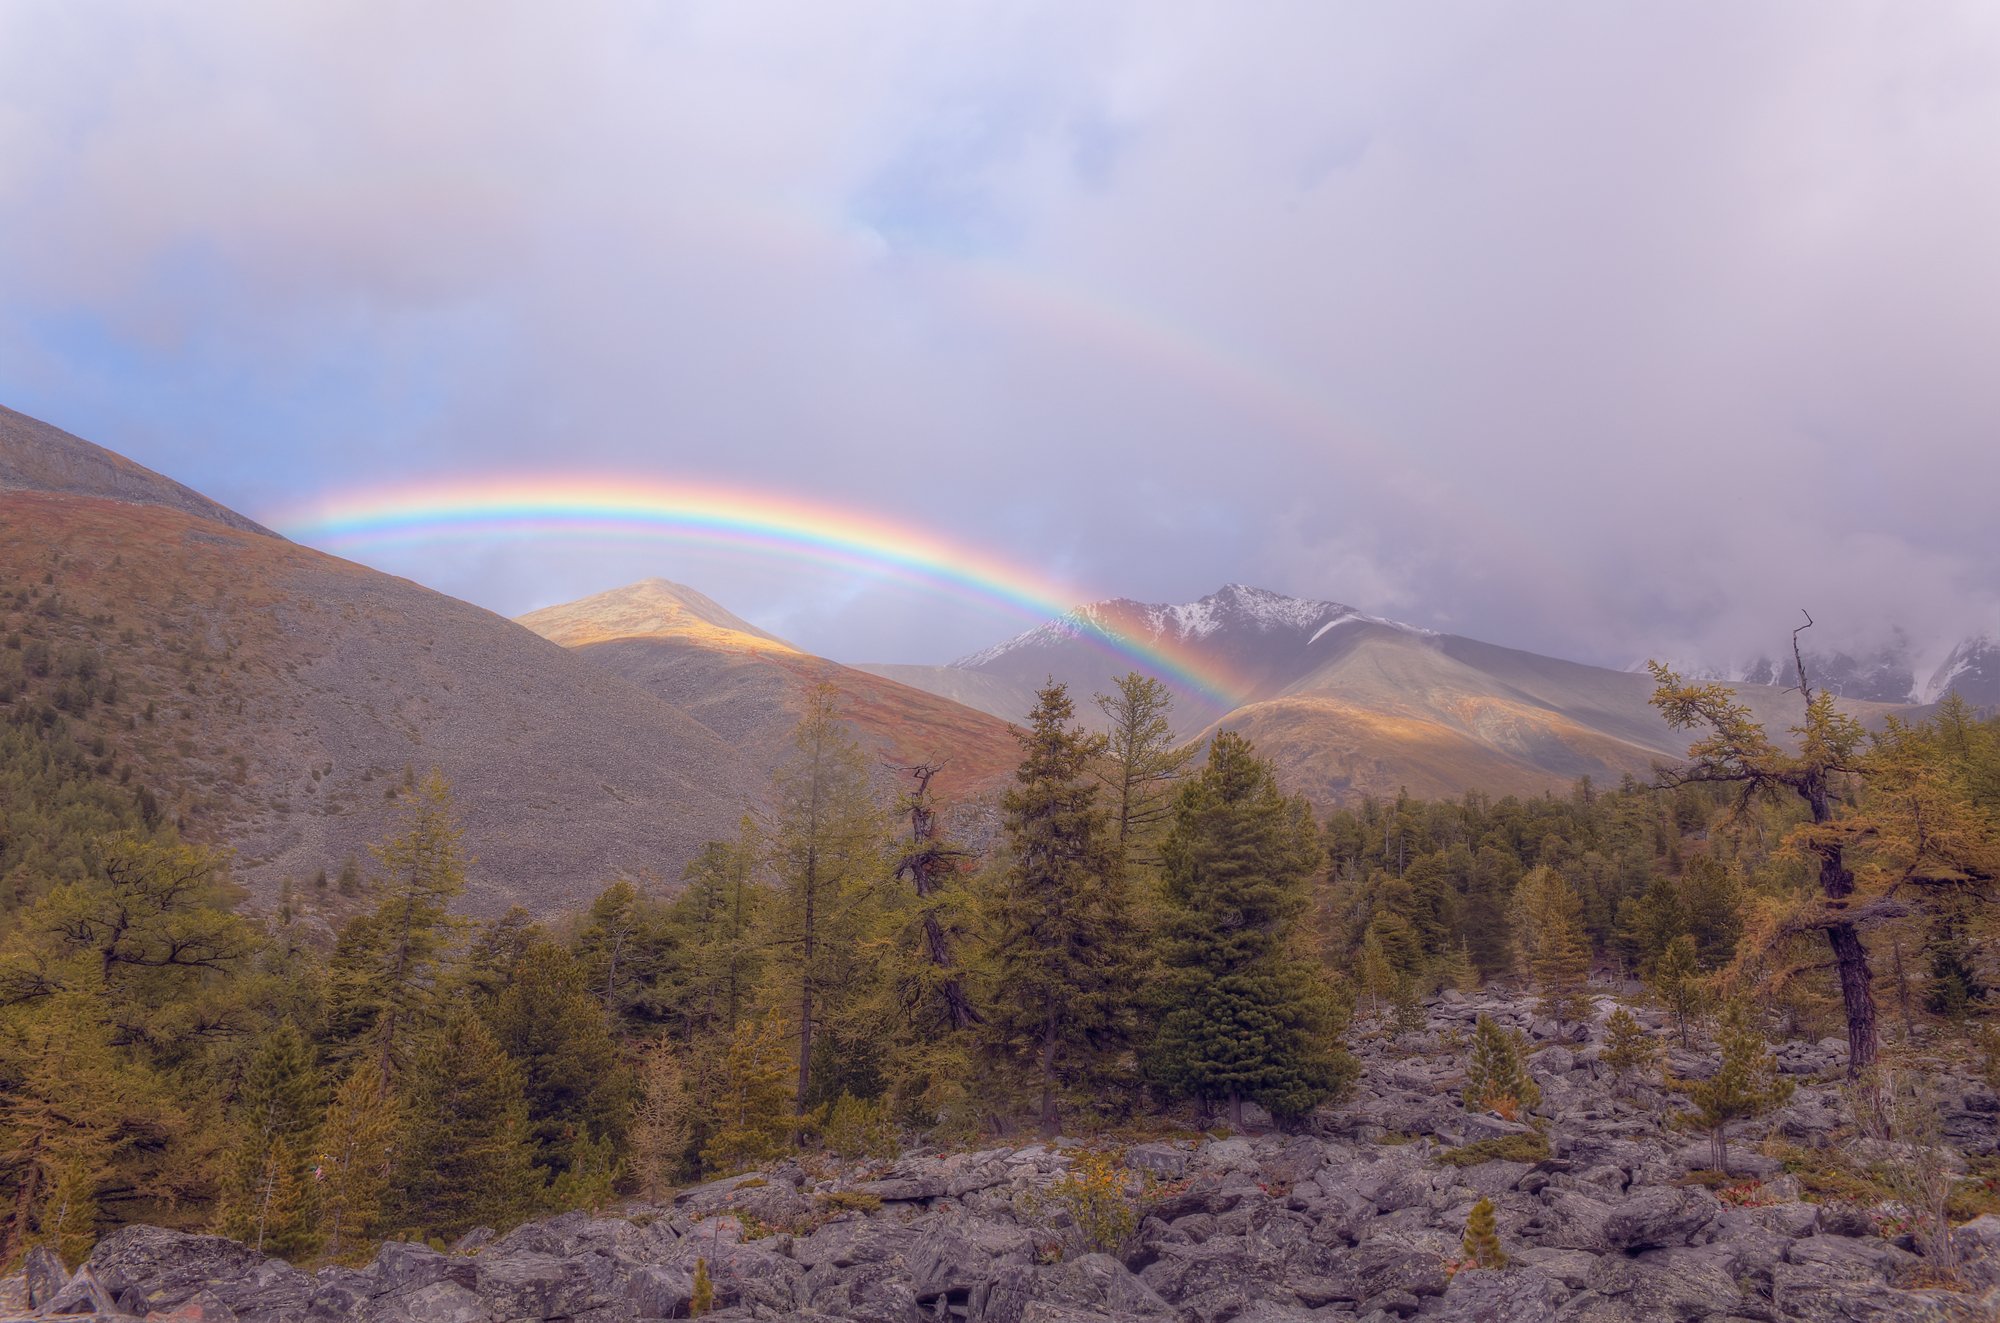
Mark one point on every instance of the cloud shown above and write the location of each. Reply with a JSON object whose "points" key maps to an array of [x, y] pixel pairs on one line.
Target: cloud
{"points": [[1598, 331]]}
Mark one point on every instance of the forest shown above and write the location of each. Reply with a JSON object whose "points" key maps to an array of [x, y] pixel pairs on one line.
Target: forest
{"points": [[1159, 937]]}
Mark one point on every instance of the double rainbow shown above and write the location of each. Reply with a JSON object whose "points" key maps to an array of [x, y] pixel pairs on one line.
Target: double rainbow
{"points": [[764, 523]]}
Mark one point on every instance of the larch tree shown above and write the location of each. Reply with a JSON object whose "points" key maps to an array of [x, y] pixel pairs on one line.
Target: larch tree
{"points": [[1251, 1016], [826, 844], [1060, 929], [351, 1169], [1143, 762], [383, 977]]}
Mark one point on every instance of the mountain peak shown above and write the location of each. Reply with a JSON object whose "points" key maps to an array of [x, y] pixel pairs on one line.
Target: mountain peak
{"points": [[1233, 612], [650, 608], [38, 457]]}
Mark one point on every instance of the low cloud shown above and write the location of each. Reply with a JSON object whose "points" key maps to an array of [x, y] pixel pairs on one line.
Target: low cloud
{"points": [[1598, 331]]}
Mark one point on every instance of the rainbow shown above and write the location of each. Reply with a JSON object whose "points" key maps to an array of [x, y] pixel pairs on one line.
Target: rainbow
{"points": [[699, 514]]}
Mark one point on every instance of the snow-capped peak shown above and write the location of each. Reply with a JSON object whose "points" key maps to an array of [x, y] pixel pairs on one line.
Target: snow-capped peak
{"points": [[1233, 610]]}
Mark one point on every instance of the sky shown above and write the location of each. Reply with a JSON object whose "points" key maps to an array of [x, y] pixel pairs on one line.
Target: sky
{"points": [[1606, 331]]}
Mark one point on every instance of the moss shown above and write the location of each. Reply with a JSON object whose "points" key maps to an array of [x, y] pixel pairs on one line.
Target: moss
{"points": [[1503, 1148], [851, 1201], [750, 1183]]}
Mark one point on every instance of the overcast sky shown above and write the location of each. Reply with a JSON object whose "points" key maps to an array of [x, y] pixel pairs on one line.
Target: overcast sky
{"points": [[1602, 330]]}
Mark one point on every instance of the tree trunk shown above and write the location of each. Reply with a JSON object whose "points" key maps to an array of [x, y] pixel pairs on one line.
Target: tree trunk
{"points": [[806, 984], [1857, 995], [24, 1206], [1236, 1111], [1049, 1119]]}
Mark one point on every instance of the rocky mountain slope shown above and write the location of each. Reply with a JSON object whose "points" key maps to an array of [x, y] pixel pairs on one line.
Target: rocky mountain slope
{"points": [[275, 697], [1348, 704], [748, 686], [1612, 1218]]}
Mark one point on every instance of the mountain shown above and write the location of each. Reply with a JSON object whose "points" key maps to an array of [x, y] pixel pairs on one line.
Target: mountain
{"points": [[1894, 673], [1348, 704], [275, 697], [1972, 671], [749, 687]]}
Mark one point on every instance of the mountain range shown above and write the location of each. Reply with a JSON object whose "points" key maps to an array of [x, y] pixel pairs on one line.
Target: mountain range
{"points": [[275, 697]]}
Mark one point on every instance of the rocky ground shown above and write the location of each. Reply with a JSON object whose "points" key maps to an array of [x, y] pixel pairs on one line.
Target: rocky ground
{"points": [[1361, 1218]]}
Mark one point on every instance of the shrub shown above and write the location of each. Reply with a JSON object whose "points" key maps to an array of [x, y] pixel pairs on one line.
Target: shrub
{"points": [[1501, 1148]]}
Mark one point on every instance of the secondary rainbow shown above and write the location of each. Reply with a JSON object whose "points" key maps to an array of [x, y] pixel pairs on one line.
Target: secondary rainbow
{"points": [[759, 522]]}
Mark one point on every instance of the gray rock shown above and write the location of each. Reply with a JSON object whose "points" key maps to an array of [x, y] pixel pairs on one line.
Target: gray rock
{"points": [[1658, 1218], [46, 1276]]}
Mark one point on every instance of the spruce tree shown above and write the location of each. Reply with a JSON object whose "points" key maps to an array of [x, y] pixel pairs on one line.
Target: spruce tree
{"points": [[1496, 1081], [1061, 930], [1251, 1017], [555, 1029], [1746, 1084], [464, 1155], [1482, 1237]]}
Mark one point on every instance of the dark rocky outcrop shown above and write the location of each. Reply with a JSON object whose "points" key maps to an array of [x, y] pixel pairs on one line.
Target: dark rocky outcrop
{"points": [[1357, 1220]]}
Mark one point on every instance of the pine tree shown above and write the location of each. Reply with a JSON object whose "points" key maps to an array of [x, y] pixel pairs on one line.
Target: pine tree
{"points": [[1746, 1084], [827, 853], [1496, 1081], [1250, 1018], [1482, 1237], [1061, 931], [351, 1173], [661, 1119], [576, 1089], [463, 1160], [382, 980], [753, 1120], [1628, 1049], [1378, 977], [1677, 982]]}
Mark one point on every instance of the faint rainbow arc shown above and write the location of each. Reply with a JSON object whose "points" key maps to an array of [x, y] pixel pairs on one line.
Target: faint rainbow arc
{"points": [[624, 507]]}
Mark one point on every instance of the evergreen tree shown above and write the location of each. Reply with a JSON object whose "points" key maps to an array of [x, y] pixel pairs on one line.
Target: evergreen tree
{"points": [[1561, 965], [382, 981], [1482, 1237], [929, 930], [826, 845], [1251, 1018], [1143, 763], [576, 1089], [277, 1115], [1061, 931], [1677, 981], [1628, 1049], [463, 1159], [351, 1173], [1746, 1084], [1496, 1081], [753, 1113]]}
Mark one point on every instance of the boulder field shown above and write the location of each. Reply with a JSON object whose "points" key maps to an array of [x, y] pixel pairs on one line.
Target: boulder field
{"points": [[1359, 1216]]}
